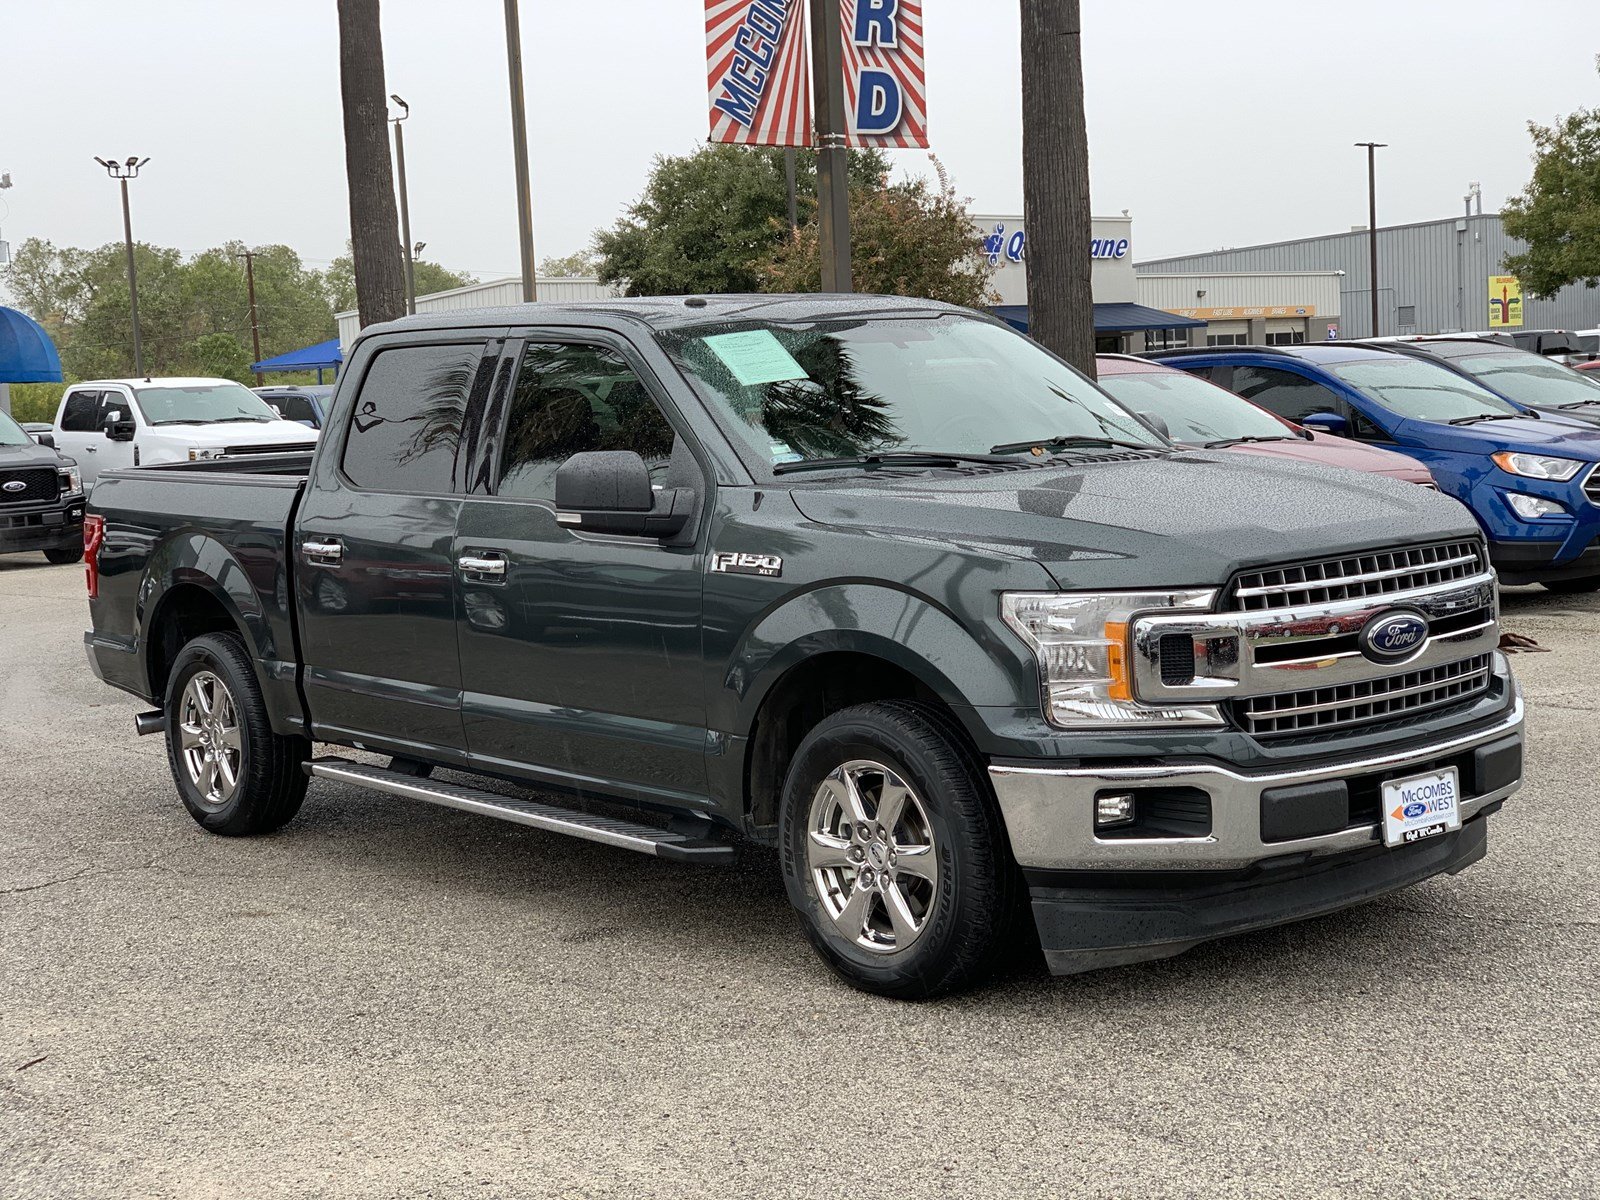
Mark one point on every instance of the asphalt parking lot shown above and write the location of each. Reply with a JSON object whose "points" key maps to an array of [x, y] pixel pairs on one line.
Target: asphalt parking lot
{"points": [[389, 999]]}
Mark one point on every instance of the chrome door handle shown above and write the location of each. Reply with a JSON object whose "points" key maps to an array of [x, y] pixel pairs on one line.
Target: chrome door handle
{"points": [[483, 568], [322, 554], [92, 449]]}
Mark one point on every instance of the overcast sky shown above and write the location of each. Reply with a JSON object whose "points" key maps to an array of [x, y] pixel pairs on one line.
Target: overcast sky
{"points": [[1211, 124]]}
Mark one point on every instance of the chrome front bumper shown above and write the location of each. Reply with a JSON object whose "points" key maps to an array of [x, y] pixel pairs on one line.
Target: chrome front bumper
{"points": [[1049, 812]]}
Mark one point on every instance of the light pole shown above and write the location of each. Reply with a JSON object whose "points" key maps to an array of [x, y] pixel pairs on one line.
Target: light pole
{"points": [[833, 159], [519, 138], [122, 172], [405, 202], [249, 257], [1372, 222]]}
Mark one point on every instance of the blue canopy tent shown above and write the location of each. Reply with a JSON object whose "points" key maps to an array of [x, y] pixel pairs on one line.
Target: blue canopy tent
{"points": [[27, 355], [324, 355]]}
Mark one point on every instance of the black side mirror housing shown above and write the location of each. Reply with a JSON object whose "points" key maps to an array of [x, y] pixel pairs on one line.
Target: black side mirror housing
{"points": [[1157, 422], [608, 491], [45, 439], [119, 428]]}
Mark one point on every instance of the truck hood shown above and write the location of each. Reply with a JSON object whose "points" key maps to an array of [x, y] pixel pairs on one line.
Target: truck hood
{"points": [[31, 455], [1333, 451], [1550, 435], [1191, 519], [238, 433]]}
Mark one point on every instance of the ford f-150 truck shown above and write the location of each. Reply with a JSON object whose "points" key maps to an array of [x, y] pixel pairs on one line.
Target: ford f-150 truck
{"points": [[876, 582]]}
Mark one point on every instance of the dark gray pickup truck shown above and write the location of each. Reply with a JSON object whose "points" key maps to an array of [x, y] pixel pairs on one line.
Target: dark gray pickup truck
{"points": [[877, 582]]}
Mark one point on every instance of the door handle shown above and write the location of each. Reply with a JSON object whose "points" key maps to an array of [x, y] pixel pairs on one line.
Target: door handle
{"points": [[92, 449], [483, 568], [322, 554]]}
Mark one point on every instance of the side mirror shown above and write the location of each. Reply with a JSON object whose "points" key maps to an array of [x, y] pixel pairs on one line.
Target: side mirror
{"points": [[118, 429], [1326, 422], [45, 439], [608, 491], [1157, 422]]}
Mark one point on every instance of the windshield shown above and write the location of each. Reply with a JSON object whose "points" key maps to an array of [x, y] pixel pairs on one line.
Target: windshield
{"points": [[1196, 412], [1420, 390], [836, 389], [1531, 379], [202, 404], [12, 434]]}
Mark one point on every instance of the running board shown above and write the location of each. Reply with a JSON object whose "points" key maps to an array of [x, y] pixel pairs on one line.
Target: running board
{"points": [[628, 835]]}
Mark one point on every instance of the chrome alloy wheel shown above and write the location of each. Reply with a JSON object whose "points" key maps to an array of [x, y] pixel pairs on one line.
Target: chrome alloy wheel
{"points": [[871, 854], [208, 738]]}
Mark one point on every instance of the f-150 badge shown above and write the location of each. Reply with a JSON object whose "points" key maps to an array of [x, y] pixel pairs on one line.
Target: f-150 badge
{"points": [[735, 562]]}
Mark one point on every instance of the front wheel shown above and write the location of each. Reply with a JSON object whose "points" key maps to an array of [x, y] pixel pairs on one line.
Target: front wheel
{"points": [[65, 554], [236, 776], [894, 852], [1589, 583]]}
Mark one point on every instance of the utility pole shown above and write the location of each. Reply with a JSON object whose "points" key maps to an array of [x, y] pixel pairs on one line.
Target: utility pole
{"points": [[405, 203], [122, 172], [519, 137], [833, 159], [249, 257], [1372, 222]]}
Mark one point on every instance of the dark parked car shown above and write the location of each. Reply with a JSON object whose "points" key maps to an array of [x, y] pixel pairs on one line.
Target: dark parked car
{"points": [[1529, 380], [41, 496], [307, 405], [878, 583]]}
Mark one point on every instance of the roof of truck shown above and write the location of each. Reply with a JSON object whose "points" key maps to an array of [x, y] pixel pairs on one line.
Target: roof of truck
{"points": [[158, 381], [669, 312]]}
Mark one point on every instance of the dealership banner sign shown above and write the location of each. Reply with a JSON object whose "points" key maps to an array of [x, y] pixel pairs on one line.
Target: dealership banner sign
{"points": [[758, 66], [1505, 301]]}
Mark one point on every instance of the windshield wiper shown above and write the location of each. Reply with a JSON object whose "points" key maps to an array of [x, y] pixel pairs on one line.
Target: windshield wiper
{"points": [[925, 458], [234, 420], [183, 421], [1068, 440], [1474, 419], [1221, 443], [1578, 404]]}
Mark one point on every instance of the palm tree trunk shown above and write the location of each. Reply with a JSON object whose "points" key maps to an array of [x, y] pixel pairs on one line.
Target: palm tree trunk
{"points": [[1055, 182], [374, 221]]}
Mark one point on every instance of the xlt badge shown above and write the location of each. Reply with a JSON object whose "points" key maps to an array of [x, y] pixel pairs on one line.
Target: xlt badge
{"points": [[737, 562]]}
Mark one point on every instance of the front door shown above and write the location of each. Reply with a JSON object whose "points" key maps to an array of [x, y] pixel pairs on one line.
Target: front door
{"points": [[373, 548], [581, 654]]}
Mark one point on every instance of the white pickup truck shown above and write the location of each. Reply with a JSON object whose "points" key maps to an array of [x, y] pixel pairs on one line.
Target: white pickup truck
{"points": [[107, 424]]}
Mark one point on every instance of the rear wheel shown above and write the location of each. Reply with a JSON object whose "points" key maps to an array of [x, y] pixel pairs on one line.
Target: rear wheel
{"points": [[65, 554], [1589, 583], [894, 852], [236, 776]]}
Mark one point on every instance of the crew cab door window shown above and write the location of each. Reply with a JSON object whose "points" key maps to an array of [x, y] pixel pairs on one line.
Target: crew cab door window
{"points": [[1295, 397], [409, 418], [81, 414]]}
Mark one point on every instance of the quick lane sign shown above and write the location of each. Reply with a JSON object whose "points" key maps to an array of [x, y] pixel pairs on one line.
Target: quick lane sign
{"points": [[1505, 301]]}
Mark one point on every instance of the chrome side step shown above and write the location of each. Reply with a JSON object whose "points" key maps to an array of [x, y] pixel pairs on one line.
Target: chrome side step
{"points": [[628, 835]]}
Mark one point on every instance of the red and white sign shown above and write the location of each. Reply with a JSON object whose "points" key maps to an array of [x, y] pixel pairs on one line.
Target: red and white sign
{"points": [[759, 72]]}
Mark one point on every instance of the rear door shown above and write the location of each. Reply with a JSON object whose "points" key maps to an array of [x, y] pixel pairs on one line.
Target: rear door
{"points": [[373, 544], [78, 431], [581, 653]]}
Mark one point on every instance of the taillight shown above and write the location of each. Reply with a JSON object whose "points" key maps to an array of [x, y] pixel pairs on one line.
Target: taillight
{"points": [[94, 535]]}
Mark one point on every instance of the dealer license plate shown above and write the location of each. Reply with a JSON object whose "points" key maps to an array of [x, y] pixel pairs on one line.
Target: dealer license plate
{"points": [[1422, 807]]}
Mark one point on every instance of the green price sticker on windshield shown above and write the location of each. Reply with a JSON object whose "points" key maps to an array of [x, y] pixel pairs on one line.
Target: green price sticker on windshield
{"points": [[755, 356]]}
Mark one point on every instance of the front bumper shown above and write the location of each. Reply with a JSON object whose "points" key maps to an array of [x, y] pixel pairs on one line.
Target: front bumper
{"points": [[1102, 900], [56, 525], [1520, 562]]}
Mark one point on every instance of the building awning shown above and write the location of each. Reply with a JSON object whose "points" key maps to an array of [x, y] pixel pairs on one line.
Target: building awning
{"points": [[307, 358], [27, 355], [1108, 318]]}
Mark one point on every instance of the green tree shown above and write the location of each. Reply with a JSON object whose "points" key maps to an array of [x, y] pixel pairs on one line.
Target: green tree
{"points": [[340, 280], [1558, 213], [580, 264], [222, 356], [906, 239], [707, 220]]}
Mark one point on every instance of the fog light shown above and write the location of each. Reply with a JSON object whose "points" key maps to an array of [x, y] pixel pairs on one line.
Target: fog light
{"points": [[1113, 810], [1531, 508]]}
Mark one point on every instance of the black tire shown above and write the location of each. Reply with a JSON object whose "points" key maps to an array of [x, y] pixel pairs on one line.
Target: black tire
{"points": [[1589, 583], [970, 911], [64, 555], [270, 783]]}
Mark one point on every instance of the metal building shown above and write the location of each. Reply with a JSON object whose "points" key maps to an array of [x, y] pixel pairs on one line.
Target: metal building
{"points": [[1434, 277]]}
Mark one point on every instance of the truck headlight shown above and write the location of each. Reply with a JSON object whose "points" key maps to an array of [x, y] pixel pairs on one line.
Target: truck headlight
{"points": [[1080, 641], [71, 481], [1537, 466], [196, 453]]}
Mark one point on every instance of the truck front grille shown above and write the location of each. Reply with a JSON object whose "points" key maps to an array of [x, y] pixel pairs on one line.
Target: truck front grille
{"points": [[39, 484], [1317, 710], [1358, 576], [280, 448]]}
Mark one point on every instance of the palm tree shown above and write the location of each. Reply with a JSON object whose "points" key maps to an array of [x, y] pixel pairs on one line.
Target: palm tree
{"points": [[374, 221], [1055, 181]]}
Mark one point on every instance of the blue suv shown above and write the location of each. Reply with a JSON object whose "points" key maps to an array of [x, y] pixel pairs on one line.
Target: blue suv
{"points": [[1529, 478]]}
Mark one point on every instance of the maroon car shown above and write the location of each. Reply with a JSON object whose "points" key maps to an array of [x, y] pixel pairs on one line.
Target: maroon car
{"points": [[1193, 412]]}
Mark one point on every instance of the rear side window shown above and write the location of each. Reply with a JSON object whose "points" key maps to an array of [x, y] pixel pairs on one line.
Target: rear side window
{"points": [[82, 413], [572, 398], [406, 428], [293, 408]]}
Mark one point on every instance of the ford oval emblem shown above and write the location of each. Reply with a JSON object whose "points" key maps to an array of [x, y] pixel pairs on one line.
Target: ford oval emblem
{"points": [[1392, 636], [14, 485]]}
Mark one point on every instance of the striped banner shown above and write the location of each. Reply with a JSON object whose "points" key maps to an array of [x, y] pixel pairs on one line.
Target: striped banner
{"points": [[759, 72]]}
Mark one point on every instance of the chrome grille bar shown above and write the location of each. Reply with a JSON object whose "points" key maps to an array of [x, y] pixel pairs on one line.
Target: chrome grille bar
{"points": [[1320, 709], [1358, 576]]}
